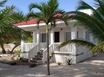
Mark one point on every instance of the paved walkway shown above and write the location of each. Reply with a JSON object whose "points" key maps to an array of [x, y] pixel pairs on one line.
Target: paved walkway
{"points": [[93, 67]]}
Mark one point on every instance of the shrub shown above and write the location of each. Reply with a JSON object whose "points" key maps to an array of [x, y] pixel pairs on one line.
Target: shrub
{"points": [[59, 63], [69, 61], [18, 52]]}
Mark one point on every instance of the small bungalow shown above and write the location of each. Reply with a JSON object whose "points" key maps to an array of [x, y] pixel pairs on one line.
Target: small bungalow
{"points": [[58, 35]]}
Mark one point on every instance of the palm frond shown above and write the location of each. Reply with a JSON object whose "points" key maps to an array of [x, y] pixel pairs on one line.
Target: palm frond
{"points": [[93, 25], [83, 5], [98, 48], [35, 5], [2, 3], [8, 16]]}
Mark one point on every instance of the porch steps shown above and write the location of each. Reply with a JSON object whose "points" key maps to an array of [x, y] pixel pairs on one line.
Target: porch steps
{"points": [[37, 60]]}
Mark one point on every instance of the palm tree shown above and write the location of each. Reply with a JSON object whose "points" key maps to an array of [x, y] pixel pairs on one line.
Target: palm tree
{"points": [[2, 3], [93, 23], [47, 14], [8, 32]]}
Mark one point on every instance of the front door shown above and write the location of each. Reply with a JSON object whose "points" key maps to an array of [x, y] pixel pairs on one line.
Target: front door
{"points": [[56, 36]]}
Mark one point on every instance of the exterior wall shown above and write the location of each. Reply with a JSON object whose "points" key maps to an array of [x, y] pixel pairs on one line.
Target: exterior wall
{"points": [[69, 52], [62, 32], [62, 57], [77, 53], [82, 51]]}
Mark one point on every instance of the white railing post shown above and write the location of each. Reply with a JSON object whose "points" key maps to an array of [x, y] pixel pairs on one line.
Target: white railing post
{"points": [[32, 52], [44, 56]]}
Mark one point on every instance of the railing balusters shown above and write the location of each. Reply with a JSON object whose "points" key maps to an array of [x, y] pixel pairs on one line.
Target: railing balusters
{"points": [[32, 52]]}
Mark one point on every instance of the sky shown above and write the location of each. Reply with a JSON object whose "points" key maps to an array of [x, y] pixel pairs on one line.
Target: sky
{"points": [[67, 5]]}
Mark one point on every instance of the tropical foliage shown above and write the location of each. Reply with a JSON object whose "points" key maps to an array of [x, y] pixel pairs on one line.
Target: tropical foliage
{"points": [[94, 23], [9, 32], [48, 12]]}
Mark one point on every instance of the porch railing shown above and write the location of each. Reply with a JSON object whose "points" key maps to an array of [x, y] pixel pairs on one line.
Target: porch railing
{"points": [[28, 46], [53, 47], [42, 46], [67, 48], [45, 53], [32, 52]]}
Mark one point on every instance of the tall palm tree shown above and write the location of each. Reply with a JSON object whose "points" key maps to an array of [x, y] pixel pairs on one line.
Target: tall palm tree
{"points": [[47, 13], [93, 23]]}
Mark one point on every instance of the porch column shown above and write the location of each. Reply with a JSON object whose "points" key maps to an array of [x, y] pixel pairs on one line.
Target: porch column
{"points": [[52, 36], [38, 39], [34, 37], [22, 47], [84, 33], [74, 48], [73, 32]]}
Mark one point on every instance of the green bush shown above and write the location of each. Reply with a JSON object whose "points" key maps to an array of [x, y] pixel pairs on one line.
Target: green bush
{"points": [[18, 52]]}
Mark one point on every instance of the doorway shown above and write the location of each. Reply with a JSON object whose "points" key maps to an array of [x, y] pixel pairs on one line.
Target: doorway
{"points": [[56, 36]]}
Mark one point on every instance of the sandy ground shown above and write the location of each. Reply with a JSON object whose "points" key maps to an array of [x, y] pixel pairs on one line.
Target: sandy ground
{"points": [[5, 57], [92, 67], [10, 46]]}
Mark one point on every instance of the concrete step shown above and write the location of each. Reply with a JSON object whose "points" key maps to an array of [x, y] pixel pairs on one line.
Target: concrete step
{"points": [[40, 62], [32, 64], [39, 56], [35, 61]]}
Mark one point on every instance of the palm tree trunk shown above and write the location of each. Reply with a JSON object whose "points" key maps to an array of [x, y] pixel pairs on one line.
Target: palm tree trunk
{"points": [[48, 58], [14, 47], [3, 49]]}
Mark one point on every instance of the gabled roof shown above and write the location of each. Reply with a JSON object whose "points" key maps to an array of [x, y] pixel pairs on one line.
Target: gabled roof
{"points": [[33, 21]]}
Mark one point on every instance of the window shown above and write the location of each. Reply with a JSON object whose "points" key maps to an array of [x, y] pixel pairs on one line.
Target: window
{"points": [[87, 35], [67, 36], [77, 34], [43, 37]]}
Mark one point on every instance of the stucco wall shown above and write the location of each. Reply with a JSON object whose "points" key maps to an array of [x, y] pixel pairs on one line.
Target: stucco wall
{"points": [[80, 49], [62, 57]]}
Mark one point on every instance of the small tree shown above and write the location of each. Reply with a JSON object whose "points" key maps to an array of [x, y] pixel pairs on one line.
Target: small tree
{"points": [[9, 32]]}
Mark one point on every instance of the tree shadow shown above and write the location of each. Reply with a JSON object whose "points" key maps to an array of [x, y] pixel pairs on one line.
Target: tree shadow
{"points": [[92, 67]]}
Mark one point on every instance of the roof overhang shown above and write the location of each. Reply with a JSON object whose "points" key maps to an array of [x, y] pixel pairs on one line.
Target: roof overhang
{"points": [[32, 27]]}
